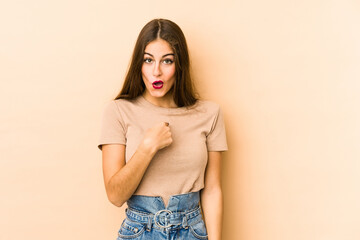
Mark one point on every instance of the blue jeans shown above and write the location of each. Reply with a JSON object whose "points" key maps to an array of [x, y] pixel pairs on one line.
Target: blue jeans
{"points": [[147, 218]]}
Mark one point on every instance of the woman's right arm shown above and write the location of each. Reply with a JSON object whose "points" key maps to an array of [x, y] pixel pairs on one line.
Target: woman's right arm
{"points": [[121, 180]]}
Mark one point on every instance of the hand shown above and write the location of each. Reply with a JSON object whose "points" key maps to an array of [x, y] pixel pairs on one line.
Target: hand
{"points": [[156, 138]]}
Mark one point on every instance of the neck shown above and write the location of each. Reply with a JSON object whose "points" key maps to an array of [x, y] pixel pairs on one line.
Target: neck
{"points": [[166, 101]]}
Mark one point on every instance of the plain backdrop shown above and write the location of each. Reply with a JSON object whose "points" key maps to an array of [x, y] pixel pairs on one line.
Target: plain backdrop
{"points": [[286, 74]]}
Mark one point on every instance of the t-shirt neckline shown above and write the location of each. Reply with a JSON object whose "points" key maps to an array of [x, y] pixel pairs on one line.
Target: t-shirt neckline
{"points": [[146, 103]]}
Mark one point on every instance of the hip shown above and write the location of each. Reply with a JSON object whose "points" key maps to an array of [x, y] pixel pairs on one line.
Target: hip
{"points": [[148, 218]]}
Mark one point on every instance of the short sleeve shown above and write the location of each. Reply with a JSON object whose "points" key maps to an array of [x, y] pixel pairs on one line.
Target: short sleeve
{"points": [[112, 129], [216, 138]]}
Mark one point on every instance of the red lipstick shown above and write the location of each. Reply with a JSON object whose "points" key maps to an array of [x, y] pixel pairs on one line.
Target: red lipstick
{"points": [[158, 84]]}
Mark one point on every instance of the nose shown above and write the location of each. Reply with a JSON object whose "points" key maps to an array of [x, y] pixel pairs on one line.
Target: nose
{"points": [[157, 69]]}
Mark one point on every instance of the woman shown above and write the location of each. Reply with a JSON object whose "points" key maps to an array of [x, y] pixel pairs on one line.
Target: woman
{"points": [[161, 146]]}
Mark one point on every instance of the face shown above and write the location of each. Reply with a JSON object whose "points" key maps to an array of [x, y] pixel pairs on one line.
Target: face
{"points": [[158, 70]]}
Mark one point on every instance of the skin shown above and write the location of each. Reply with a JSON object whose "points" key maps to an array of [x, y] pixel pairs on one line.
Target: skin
{"points": [[121, 180], [212, 198], [159, 65]]}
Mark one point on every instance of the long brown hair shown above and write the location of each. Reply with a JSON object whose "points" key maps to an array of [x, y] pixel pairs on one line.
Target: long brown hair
{"points": [[183, 89]]}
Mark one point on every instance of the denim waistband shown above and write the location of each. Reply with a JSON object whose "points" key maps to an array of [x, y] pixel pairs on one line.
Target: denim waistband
{"points": [[181, 202], [182, 210]]}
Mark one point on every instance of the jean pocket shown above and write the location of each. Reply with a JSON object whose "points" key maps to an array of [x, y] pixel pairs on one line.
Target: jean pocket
{"points": [[130, 229], [198, 229]]}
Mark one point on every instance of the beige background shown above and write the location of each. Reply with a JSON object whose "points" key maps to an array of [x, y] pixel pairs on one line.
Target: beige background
{"points": [[286, 74]]}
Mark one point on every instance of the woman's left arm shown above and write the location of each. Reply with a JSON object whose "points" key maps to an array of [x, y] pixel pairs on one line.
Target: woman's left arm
{"points": [[211, 196]]}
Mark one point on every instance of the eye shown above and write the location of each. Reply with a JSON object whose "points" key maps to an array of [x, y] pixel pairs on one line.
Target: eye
{"points": [[148, 60], [168, 61]]}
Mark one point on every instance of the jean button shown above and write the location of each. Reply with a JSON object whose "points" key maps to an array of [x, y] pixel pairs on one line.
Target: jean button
{"points": [[136, 230]]}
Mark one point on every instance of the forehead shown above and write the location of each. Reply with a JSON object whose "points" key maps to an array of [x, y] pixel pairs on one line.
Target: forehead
{"points": [[158, 47]]}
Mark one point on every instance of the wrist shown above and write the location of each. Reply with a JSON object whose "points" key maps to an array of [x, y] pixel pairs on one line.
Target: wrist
{"points": [[147, 150]]}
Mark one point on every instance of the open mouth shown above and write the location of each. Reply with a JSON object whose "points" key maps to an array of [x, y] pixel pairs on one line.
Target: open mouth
{"points": [[158, 84]]}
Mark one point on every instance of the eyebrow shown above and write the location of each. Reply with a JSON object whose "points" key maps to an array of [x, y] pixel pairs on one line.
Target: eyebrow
{"points": [[169, 54]]}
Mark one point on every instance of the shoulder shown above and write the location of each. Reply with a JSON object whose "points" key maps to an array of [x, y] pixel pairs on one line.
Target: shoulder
{"points": [[125, 102], [117, 107], [207, 106], [121, 104]]}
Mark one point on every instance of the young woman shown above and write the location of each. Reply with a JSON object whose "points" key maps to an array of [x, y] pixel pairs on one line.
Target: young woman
{"points": [[161, 146]]}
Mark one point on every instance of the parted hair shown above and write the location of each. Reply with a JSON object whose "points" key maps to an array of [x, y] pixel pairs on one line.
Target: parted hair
{"points": [[183, 88]]}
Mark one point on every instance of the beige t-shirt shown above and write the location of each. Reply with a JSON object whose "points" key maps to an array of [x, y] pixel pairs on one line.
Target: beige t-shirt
{"points": [[178, 168]]}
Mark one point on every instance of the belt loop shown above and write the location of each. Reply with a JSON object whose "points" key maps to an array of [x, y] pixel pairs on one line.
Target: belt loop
{"points": [[184, 221], [148, 227]]}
